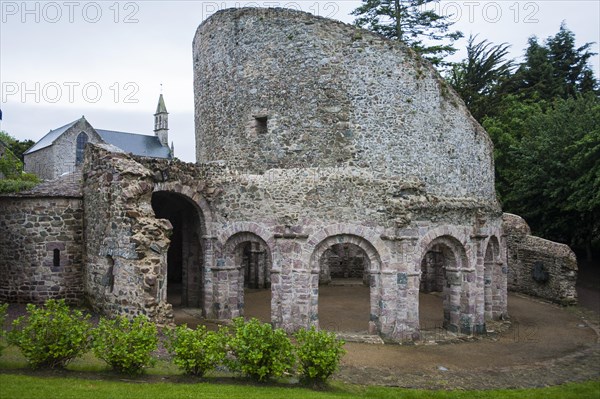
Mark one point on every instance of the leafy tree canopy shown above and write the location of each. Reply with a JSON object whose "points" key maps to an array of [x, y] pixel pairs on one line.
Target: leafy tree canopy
{"points": [[18, 147], [548, 166], [11, 167], [412, 22], [556, 68], [479, 78]]}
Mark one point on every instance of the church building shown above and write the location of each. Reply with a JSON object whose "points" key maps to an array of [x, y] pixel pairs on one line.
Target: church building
{"points": [[61, 150]]}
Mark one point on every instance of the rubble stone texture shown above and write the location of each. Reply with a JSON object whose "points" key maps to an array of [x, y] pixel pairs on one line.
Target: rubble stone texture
{"points": [[539, 267], [41, 243], [324, 152]]}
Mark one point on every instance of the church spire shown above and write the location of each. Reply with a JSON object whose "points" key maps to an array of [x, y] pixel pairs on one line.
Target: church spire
{"points": [[161, 122]]}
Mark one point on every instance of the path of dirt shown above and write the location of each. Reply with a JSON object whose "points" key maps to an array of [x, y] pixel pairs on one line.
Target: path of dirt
{"points": [[545, 344]]}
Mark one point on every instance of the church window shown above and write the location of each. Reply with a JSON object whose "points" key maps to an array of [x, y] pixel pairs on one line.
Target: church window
{"points": [[56, 258], [82, 140]]}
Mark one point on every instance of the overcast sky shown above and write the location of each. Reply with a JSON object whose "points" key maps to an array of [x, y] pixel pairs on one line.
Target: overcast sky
{"points": [[107, 59]]}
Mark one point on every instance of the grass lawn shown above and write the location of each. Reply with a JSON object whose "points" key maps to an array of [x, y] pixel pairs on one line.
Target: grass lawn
{"points": [[88, 377], [27, 386]]}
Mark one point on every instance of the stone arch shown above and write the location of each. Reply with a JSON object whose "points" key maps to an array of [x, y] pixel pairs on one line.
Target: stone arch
{"points": [[455, 280], [223, 236], [374, 262], [368, 235], [193, 196], [245, 261], [460, 236], [186, 256], [492, 280]]}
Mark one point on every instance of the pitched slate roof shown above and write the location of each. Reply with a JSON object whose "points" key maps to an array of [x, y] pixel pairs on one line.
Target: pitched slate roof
{"points": [[49, 138], [137, 144]]}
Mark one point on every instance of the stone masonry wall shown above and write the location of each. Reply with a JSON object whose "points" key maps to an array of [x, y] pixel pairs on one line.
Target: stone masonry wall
{"points": [[277, 88], [59, 158], [31, 230], [126, 246], [298, 214], [41, 163], [539, 267]]}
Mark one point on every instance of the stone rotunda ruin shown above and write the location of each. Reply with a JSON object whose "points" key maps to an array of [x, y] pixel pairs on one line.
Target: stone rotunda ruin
{"points": [[326, 154], [352, 153]]}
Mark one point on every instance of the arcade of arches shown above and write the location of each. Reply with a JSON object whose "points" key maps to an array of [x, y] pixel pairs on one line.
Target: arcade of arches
{"points": [[348, 294]]}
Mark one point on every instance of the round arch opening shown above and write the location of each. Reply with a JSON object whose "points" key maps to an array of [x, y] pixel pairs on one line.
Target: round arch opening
{"points": [[185, 256], [347, 292], [442, 294], [251, 258]]}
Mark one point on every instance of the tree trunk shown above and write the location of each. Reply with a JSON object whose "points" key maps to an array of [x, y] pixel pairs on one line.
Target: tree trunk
{"points": [[588, 249], [398, 20]]}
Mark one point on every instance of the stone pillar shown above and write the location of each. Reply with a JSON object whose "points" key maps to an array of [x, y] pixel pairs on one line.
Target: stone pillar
{"points": [[292, 286], [228, 300], [501, 311], [405, 281], [382, 298], [304, 290], [468, 304], [478, 287], [257, 266], [207, 276]]}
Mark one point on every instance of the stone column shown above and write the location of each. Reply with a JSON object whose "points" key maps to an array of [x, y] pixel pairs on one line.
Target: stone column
{"points": [[479, 285], [403, 282], [207, 276], [291, 281]]}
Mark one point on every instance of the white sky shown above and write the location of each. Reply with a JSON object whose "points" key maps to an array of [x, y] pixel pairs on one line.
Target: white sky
{"points": [[106, 59]]}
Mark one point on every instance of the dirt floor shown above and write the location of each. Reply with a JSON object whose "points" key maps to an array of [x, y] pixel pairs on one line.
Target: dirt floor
{"points": [[542, 343]]}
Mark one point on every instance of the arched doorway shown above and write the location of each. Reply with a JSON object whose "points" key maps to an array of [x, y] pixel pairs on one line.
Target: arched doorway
{"points": [[492, 280], [443, 297], [348, 298], [250, 256], [185, 257]]}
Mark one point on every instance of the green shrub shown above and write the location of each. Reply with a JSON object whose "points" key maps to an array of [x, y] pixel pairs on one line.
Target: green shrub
{"points": [[15, 185], [3, 309], [319, 354], [260, 351], [125, 345], [197, 351], [52, 335]]}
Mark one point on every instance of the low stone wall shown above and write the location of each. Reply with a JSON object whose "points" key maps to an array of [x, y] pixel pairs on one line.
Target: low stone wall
{"points": [[539, 267], [42, 249]]}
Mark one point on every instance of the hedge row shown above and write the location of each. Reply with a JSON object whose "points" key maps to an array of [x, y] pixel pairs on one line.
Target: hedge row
{"points": [[53, 335]]}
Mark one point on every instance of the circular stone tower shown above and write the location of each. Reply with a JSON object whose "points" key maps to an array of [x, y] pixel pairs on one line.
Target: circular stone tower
{"points": [[277, 88]]}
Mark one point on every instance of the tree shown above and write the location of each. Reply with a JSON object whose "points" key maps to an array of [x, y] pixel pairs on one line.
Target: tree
{"points": [[481, 77], [548, 162], [12, 178], [410, 22], [17, 147], [556, 68]]}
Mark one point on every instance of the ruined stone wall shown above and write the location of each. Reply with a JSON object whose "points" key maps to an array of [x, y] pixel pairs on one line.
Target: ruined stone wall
{"points": [[126, 245], [539, 267], [278, 88], [41, 249]]}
